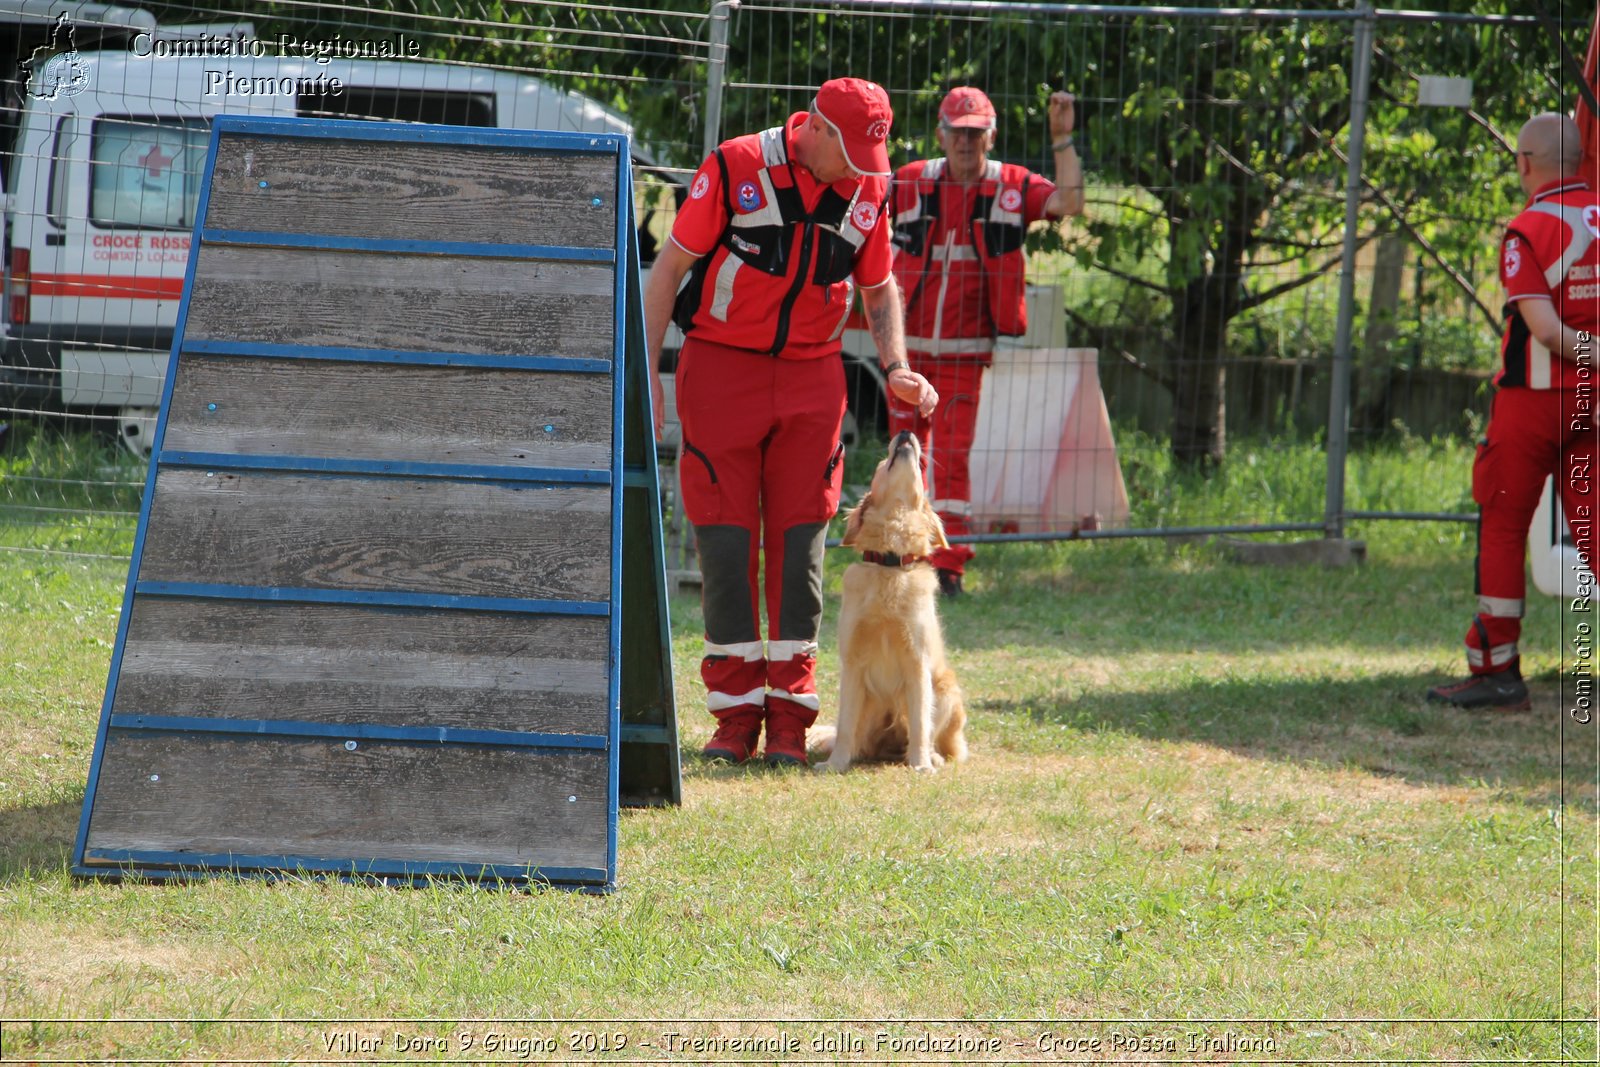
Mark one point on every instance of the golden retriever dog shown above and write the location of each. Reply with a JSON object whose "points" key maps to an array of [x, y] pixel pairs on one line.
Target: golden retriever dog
{"points": [[898, 698]]}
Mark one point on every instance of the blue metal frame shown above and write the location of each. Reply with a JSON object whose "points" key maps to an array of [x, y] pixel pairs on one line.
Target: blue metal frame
{"points": [[650, 478], [520, 477], [561, 253], [377, 599], [264, 350], [618, 384], [482, 136], [439, 735], [158, 864], [188, 864]]}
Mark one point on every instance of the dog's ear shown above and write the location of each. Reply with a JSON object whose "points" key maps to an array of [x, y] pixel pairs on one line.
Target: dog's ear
{"points": [[852, 522], [935, 524]]}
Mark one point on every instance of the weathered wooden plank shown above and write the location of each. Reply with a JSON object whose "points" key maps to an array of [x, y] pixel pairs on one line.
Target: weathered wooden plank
{"points": [[461, 415], [337, 663], [379, 534], [416, 303], [210, 794], [414, 192]]}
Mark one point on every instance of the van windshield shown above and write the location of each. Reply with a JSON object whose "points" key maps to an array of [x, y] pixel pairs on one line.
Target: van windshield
{"points": [[146, 172]]}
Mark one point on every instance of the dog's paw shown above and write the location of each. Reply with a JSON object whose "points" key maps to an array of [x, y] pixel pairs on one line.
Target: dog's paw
{"points": [[830, 767], [925, 768]]}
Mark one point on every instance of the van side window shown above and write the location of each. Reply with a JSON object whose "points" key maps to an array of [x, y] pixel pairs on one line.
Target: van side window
{"points": [[397, 105], [55, 207], [145, 172]]}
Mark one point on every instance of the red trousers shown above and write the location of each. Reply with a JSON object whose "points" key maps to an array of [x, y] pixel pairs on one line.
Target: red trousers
{"points": [[761, 472], [1532, 434], [946, 439]]}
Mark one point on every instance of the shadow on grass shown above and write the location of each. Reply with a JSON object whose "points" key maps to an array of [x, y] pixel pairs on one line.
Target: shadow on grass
{"points": [[1379, 725], [1207, 604], [36, 840]]}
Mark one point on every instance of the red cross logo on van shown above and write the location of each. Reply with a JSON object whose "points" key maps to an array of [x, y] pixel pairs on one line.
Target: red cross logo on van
{"points": [[154, 160]]}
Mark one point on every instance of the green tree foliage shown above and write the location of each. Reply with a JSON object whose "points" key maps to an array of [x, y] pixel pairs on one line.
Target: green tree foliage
{"points": [[1239, 132], [1226, 126], [1215, 147], [1221, 144]]}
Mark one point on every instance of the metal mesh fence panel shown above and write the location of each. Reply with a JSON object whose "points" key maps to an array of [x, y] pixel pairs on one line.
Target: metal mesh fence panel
{"points": [[1440, 186], [104, 132], [1181, 330], [1204, 274]]}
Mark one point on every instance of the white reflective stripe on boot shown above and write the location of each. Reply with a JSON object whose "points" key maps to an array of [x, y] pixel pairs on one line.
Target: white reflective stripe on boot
{"points": [[1499, 656], [1500, 607]]}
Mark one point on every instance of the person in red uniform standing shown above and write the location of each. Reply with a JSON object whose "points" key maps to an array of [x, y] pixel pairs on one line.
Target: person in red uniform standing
{"points": [[778, 231], [1542, 420], [959, 225]]}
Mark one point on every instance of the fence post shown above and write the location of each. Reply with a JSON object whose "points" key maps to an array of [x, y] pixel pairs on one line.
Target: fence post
{"points": [[716, 69], [1339, 391]]}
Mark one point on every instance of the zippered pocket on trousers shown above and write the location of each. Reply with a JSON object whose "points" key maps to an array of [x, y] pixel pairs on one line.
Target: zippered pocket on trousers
{"points": [[711, 471]]}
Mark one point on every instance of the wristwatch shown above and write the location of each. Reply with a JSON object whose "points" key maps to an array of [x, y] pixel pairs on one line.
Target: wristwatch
{"points": [[898, 364]]}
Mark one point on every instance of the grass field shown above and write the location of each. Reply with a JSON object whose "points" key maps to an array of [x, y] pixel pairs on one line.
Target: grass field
{"points": [[1206, 806]]}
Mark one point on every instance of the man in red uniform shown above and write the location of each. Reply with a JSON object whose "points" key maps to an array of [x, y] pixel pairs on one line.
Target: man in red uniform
{"points": [[1542, 420], [777, 232], [959, 224]]}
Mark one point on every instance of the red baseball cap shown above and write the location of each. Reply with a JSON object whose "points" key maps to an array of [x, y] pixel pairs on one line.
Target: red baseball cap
{"points": [[967, 106], [859, 113]]}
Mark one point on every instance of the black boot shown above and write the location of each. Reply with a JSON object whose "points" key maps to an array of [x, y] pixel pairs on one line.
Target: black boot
{"points": [[1503, 690]]}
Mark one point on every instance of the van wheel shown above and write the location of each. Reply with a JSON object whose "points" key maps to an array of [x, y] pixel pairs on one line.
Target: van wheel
{"points": [[136, 429]]}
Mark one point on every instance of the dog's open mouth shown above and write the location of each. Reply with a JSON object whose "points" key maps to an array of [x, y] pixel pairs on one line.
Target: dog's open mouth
{"points": [[904, 442]]}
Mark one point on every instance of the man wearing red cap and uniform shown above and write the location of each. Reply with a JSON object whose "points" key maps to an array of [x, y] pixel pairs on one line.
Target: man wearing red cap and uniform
{"points": [[1542, 420], [778, 231], [959, 224]]}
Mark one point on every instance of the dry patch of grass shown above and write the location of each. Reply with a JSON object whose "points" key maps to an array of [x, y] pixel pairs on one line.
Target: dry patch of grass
{"points": [[61, 966]]}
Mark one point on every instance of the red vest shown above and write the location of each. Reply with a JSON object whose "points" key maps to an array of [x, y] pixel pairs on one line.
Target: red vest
{"points": [[997, 226], [778, 280], [1557, 234]]}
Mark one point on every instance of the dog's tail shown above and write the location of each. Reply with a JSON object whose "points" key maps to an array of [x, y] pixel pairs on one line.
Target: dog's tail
{"points": [[819, 741]]}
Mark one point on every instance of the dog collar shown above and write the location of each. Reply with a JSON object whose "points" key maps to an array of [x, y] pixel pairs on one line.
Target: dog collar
{"points": [[891, 559]]}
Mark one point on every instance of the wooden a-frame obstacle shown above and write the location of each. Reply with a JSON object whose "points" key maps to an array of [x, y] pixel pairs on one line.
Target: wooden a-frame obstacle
{"points": [[396, 607]]}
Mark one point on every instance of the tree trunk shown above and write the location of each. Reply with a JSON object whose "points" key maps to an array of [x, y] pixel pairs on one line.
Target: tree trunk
{"points": [[1199, 396], [1372, 394]]}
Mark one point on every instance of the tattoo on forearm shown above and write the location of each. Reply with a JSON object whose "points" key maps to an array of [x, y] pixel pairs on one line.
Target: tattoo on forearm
{"points": [[880, 319]]}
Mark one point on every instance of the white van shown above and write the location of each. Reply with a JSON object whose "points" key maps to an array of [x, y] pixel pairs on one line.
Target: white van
{"points": [[105, 178]]}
